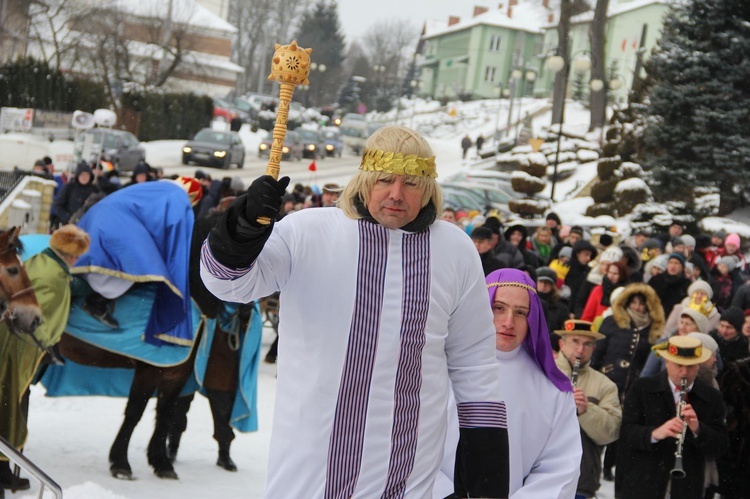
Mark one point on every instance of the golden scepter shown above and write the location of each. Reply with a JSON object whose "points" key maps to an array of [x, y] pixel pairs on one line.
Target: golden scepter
{"points": [[290, 66]]}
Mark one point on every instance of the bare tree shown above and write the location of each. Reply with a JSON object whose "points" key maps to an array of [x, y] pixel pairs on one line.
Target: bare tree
{"points": [[597, 39], [49, 31], [252, 18]]}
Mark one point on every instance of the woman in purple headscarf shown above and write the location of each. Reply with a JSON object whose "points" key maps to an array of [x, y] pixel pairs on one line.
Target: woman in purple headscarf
{"points": [[545, 440]]}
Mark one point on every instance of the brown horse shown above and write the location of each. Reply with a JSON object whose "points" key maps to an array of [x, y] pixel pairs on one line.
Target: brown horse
{"points": [[166, 382], [19, 309]]}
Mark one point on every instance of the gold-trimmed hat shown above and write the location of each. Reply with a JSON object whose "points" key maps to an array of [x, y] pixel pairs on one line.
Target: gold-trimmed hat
{"points": [[584, 328], [683, 350], [375, 160]]}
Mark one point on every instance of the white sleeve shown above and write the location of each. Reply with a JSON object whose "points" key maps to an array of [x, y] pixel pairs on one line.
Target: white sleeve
{"points": [[265, 276], [470, 344], [556, 470]]}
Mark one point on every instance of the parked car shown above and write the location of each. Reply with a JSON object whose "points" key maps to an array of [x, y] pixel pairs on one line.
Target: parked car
{"points": [[354, 134], [122, 148], [291, 149], [460, 200], [312, 144], [488, 196], [223, 110], [334, 146], [214, 148]]}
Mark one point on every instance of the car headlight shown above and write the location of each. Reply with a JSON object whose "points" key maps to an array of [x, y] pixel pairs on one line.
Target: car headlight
{"points": [[329, 147], [220, 154], [311, 147], [263, 147], [285, 150], [187, 150]]}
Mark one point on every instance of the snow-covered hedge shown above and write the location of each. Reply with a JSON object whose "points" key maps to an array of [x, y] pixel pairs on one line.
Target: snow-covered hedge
{"points": [[607, 167], [599, 209], [529, 207], [630, 170], [527, 184], [586, 155], [602, 191], [629, 194]]}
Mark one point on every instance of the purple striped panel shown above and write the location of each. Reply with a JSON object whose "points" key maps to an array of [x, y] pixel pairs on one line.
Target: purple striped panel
{"points": [[348, 433], [414, 308], [482, 415], [218, 270]]}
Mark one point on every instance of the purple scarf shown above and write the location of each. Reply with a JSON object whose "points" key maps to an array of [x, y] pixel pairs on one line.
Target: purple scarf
{"points": [[537, 342]]}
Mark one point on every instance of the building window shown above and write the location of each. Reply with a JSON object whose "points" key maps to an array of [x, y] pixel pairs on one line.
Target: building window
{"points": [[489, 73], [495, 43]]}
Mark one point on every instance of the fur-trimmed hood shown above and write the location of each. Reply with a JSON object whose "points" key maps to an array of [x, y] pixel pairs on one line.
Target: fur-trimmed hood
{"points": [[653, 303]]}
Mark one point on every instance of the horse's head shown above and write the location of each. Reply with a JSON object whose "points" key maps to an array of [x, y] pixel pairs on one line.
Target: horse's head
{"points": [[19, 309]]}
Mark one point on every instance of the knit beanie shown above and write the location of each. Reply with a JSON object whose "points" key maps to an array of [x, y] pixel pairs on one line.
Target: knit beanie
{"points": [[730, 261], [677, 256], [733, 239], [660, 262], [688, 240], [611, 254], [701, 286], [566, 252], [700, 320], [735, 316], [707, 341]]}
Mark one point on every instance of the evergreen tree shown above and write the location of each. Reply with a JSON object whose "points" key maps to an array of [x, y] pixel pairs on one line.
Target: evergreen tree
{"points": [[320, 30], [700, 103], [579, 87]]}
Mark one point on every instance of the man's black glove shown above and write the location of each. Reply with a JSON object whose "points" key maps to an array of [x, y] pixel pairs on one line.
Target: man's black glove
{"points": [[238, 238]]}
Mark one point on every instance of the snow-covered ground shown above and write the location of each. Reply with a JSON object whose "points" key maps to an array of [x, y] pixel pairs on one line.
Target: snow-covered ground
{"points": [[70, 437]]}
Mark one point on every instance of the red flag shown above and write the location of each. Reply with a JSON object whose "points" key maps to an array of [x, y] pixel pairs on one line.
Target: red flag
{"points": [[312, 167]]}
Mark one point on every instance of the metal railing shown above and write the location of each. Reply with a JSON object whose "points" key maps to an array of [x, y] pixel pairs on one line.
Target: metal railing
{"points": [[8, 181], [29, 467]]}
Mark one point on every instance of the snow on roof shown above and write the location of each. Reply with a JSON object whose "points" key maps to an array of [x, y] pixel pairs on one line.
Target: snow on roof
{"points": [[183, 11], [527, 15], [616, 8], [151, 51]]}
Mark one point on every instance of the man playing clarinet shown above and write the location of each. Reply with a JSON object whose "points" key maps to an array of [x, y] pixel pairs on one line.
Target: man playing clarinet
{"points": [[653, 434]]}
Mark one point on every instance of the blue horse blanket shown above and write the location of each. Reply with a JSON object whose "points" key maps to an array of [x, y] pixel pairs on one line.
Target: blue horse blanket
{"points": [[142, 234]]}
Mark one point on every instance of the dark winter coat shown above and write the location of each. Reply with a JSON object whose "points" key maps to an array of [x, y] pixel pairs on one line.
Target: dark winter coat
{"points": [[490, 263], [578, 272], [731, 350], [73, 195], [509, 254], [642, 467], [623, 351], [530, 257], [556, 312], [670, 289], [734, 466], [742, 297]]}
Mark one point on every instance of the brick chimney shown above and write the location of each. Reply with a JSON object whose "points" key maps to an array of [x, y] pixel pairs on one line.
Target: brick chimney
{"points": [[478, 10], [453, 20], [551, 17]]}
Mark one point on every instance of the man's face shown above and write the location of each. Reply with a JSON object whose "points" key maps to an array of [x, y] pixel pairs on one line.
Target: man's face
{"points": [[687, 326], [679, 248], [329, 199], [511, 313], [746, 327], [543, 286], [639, 239], [674, 267], [676, 372], [577, 346], [483, 245], [584, 257], [573, 238], [449, 216], [84, 178], [717, 241], [551, 223], [543, 237], [675, 230], [727, 331], [395, 200]]}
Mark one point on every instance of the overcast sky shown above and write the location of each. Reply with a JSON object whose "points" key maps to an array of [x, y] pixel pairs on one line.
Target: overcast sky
{"points": [[357, 16]]}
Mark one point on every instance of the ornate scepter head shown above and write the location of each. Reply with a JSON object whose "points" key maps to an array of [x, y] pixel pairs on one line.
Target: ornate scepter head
{"points": [[290, 64]]}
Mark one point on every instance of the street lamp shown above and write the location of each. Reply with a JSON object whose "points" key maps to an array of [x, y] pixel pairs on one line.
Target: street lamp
{"points": [[557, 63], [515, 75]]}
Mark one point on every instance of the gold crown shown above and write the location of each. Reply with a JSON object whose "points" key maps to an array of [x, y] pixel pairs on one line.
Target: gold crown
{"points": [[375, 160], [703, 305]]}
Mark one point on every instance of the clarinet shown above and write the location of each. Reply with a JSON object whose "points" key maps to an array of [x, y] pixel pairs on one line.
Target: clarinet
{"points": [[574, 374], [678, 471]]}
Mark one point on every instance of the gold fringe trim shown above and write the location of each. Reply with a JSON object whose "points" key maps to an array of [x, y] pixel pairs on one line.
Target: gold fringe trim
{"points": [[511, 283], [95, 269], [375, 160]]}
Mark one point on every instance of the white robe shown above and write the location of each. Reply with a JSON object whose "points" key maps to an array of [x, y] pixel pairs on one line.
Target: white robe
{"points": [[366, 351], [543, 431]]}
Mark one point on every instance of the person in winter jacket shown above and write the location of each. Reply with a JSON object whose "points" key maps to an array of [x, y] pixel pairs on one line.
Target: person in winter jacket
{"points": [[583, 253], [671, 286], [616, 276], [594, 278], [636, 323], [517, 236], [699, 295], [555, 307], [73, 194]]}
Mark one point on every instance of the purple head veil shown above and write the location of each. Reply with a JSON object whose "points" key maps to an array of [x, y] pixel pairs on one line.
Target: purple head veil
{"points": [[537, 342]]}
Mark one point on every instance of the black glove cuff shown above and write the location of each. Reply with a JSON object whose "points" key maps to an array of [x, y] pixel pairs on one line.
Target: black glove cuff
{"points": [[235, 242]]}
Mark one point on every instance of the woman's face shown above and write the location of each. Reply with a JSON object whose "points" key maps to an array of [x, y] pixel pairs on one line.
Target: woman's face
{"points": [[638, 305], [613, 274], [687, 326], [731, 249], [746, 327], [700, 296], [543, 237], [515, 237]]}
